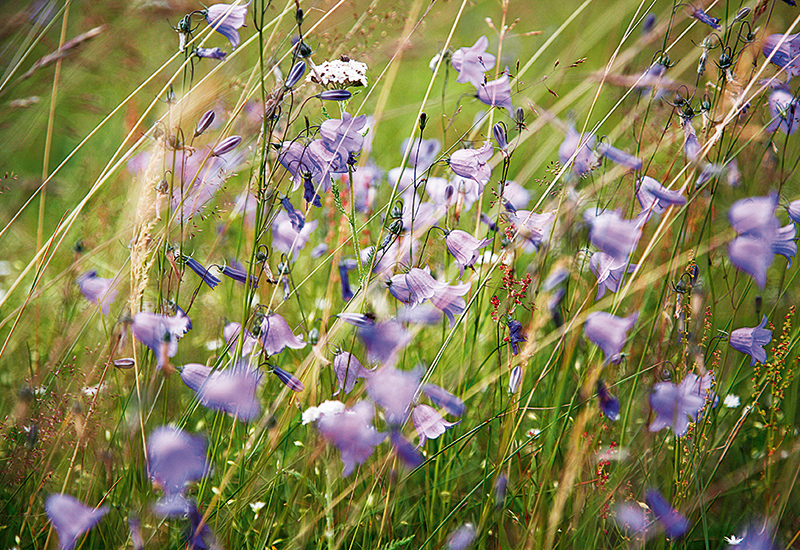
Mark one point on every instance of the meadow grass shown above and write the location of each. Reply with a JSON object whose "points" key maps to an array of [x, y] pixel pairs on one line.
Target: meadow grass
{"points": [[105, 171]]}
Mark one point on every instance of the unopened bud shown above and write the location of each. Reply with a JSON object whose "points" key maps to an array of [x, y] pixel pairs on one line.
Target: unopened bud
{"points": [[335, 95], [499, 133], [295, 75], [204, 123], [227, 145]]}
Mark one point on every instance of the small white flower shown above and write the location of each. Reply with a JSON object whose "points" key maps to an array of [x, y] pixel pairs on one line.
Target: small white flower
{"points": [[256, 506], [342, 72], [434, 61], [311, 414], [731, 401], [733, 540]]}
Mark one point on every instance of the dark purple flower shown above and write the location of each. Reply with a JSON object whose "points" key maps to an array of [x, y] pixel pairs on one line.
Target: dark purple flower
{"points": [[71, 518], [675, 406], [296, 217], [175, 458], [203, 272], [612, 234], [98, 290], [473, 163], [608, 403], [444, 399], [210, 53], [410, 456], [675, 525], [461, 538], [496, 93], [619, 157], [239, 275], [609, 332], [706, 19], [197, 536], [288, 379], [227, 19], [654, 197], [295, 75], [785, 51], [360, 320], [384, 341], [345, 266], [393, 390], [515, 335], [335, 95], [471, 63], [276, 335], [428, 423], [609, 272], [348, 370], [499, 133], [205, 121], [464, 248], [751, 341], [352, 432], [161, 333], [579, 152]]}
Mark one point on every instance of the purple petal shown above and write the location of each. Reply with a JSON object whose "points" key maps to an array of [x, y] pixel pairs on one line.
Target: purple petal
{"points": [[675, 525], [175, 458], [444, 399], [352, 432], [428, 423], [609, 332], [71, 518], [348, 370], [276, 335], [393, 390]]}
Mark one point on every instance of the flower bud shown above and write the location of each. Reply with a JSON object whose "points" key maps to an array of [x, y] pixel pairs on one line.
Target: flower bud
{"points": [[204, 123], [499, 132], [295, 75], [742, 14], [227, 145], [335, 95]]}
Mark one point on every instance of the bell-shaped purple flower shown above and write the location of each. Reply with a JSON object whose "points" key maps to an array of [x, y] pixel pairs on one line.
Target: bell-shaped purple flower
{"points": [[348, 370], [471, 63], [619, 156], [473, 163], [99, 290], [343, 137], [691, 145], [428, 423], [289, 380], [414, 287], [675, 525], [198, 536], [448, 298], [676, 406], [286, 238], [175, 458], [351, 431], [535, 228], [753, 256], [231, 334], [393, 390], [496, 93], [751, 341], [608, 403], [794, 211], [785, 51], [384, 341], [227, 19], [515, 335], [161, 333], [784, 111], [609, 272], [752, 214], [612, 234], [201, 271], [461, 538], [609, 332], [276, 335], [360, 320], [706, 19], [71, 518], [654, 197], [464, 248], [404, 449], [579, 152], [345, 266], [444, 399], [230, 390]]}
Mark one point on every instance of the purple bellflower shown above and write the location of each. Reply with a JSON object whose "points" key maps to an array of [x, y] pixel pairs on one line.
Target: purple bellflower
{"points": [[286, 238], [608, 403], [99, 290], [428, 423], [496, 93], [295, 216], [464, 248], [444, 399], [706, 19], [461, 538], [609, 332], [515, 335], [471, 63], [71, 518], [175, 458], [204, 123], [675, 406], [794, 211], [384, 341], [161, 333], [675, 525], [404, 449], [289, 380], [691, 145], [210, 53], [197, 536], [535, 228], [201, 271], [619, 157], [784, 111], [276, 335], [785, 51], [414, 287], [351, 431], [393, 390], [612, 234], [654, 197], [609, 272], [295, 74], [753, 256], [226, 145], [448, 299], [473, 163], [343, 137], [230, 390], [515, 379], [239, 274], [334, 95], [231, 335], [345, 266], [579, 152], [751, 341], [360, 320], [348, 370], [227, 19]]}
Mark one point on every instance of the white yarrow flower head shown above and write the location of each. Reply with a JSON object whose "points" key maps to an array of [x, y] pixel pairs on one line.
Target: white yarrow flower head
{"points": [[339, 73], [312, 414], [731, 401]]}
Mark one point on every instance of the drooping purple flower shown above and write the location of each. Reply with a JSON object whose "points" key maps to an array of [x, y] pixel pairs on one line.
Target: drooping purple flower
{"points": [[609, 272], [414, 287], [201, 271], [619, 156], [515, 335], [785, 51], [612, 234], [99, 290], [343, 137], [384, 341], [461, 538], [783, 242], [632, 517], [175, 458], [784, 111], [535, 228], [352, 432], [675, 525], [609, 332], [471, 63], [393, 390], [496, 93], [608, 403], [464, 248], [750, 215], [276, 335], [345, 266], [71, 518], [227, 19], [444, 399], [751, 341], [579, 152], [648, 24], [753, 256], [499, 134], [691, 145], [404, 449], [210, 53], [161, 333], [448, 298], [758, 535], [289, 380], [295, 216], [231, 334], [233, 391], [286, 238], [676, 406], [348, 370], [197, 536], [227, 145], [706, 19], [654, 197], [794, 211], [473, 163], [428, 423], [239, 274]]}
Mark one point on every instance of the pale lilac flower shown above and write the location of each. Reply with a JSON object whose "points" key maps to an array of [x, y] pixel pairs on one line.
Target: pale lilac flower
{"points": [[384, 341], [230, 390], [753, 256], [227, 19], [609, 332], [314, 161], [676, 406], [288, 379], [352, 432], [231, 334], [619, 157], [516, 195], [161, 333], [210, 53], [348, 370], [609, 404], [794, 211], [496, 93], [473, 163], [414, 287], [423, 314], [612, 234], [276, 335], [786, 54], [201, 271], [448, 298], [515, 379], [444, 399], [428, 423], [175, 458], [393, 390], [71, 518], [758, 535], [654, 197], [99, 290], [500, 489], [461, 538], [464, 248], [675, 525], [135, 528], [751, 341], [750, 215], [286, 238], [784, 112], [691, 145], [535, 228], [609, 272], [579, 152], [200, 175], [343, 137], [471, 63], [633, 517], [404, 449]]}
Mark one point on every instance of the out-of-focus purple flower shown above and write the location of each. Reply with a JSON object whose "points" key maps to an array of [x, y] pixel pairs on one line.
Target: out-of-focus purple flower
{"points": [[423, 314], [691, 145], [608, 403], [609, 332], [471, 63], [204, 123], [335, 95], [227, 145], [784, 111], [706, 19], [286, 238], [785, 51], [580, 152], [361, 320], [758, 535], [227, 19], [676, 405], [516, 195], [533, 227], [612, 234], [649, 23], [750, 215], [172, 506], [414, 287], [175, 458], [161, 333], [473, 163], [515, 335], [462, 538], [751, 341], [276, 335], [71, 518], [500, 490], [515, 379], [393, 390], [352, 432], [654, 197], [348, 370], [197, 536], [753, 256], [99, 290], [288, 379], [203, 272], [783, 242], [609, 272], [428, 423], [675, 525], [319, 250], [448, 298], [345, 266], [410, 456], [632, 517], [231, 335], [230, 390], [496, 93], [422, 153], [619, 157], [794, 211], [384, 341], [295, 74], [444, 399], [464, 248], [210, 53], [135, 528]]}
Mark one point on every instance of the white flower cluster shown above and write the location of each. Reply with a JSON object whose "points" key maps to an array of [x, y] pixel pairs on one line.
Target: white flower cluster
{"points": [[311, 414], [342, 72]]}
